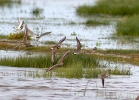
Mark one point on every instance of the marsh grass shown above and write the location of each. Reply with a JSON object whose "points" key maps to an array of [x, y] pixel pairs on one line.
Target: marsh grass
{"points": [[75, 66], [119, 51], [3, 36], [91, 22], [117, 71], [37, 11], [33, 62], [73, 34], [6, 46], [110, 7], [9, 3], [128, 27], [50, 42], [17, 36], [76, 72]]}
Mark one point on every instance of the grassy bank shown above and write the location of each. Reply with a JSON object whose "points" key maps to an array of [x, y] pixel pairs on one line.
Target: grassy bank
{"points": [[110, 7], [45, 61], [75, 66]]}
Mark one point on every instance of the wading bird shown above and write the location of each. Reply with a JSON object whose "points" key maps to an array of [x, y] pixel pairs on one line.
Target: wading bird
{"points": [[55, 47], [60, 62], [20, 26], [103, 76], [24, 41], [79, 45]]}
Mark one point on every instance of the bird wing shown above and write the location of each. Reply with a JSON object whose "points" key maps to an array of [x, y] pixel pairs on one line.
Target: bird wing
{"points": [[51, 68], [63, 57], [46, 33], [59, 43], [18, 20], [78, 44], [25, 35], [31, 32], [53, 54]]}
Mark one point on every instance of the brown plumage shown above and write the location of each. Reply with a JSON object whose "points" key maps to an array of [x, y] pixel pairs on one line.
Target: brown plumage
{"points": [[24, 41], [103, 76], [79, 45], [60, 62], [55, 47], [137, 98]]}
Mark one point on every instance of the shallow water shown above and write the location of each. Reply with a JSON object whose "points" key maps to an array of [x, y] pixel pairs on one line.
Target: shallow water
{"points": [[16, 85], [56, 16]]}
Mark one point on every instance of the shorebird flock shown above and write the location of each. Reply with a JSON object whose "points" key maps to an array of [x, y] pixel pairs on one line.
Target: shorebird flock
{"points": [[54, 48]]}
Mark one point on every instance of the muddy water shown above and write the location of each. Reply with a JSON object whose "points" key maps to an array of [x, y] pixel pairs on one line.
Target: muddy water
{"points": [[16, 85]]}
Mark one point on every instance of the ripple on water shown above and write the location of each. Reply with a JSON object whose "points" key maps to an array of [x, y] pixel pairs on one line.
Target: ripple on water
{"points": [[22, 87]]}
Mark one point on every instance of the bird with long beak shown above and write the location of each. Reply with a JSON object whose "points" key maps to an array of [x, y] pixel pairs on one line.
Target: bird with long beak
{"points": [[60, 62]]}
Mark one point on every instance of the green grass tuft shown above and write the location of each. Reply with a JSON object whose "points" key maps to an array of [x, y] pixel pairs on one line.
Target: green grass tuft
{"points": [[17, 36], [128, 27], [95, 22]]}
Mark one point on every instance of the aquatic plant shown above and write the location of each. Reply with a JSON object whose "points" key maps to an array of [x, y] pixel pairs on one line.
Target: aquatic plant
{"points": [[37, 11], [73, 34], [91, 22], [128, 27], [49, 42]]}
